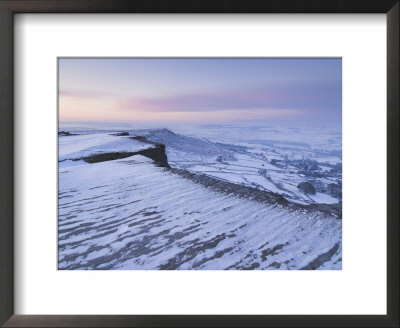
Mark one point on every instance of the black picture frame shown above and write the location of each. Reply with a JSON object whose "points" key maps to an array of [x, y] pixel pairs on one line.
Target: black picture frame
{"points": [[10, 7]]}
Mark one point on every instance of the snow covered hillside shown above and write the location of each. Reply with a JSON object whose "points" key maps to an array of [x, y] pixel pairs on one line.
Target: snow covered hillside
{"points": [[271, 159], [130, 212]]}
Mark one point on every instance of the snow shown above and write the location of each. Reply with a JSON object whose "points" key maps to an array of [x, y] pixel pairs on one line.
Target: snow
{"points": [[246, 150], [77, 146], [130, 214], [323, 198]]}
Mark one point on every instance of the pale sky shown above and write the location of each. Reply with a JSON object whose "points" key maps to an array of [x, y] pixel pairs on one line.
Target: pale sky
{"points": [[200, 90]]}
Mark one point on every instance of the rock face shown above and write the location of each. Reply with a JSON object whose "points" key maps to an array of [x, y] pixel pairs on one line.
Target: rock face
{"points": [[104, 157], [307, 188], [157, 154]]}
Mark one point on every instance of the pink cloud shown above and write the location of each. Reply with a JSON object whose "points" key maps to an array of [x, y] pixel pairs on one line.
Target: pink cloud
{"points": [[83, 94], [222, 100]]}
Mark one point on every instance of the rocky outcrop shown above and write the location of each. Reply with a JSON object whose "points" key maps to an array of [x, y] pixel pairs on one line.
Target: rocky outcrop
{"points": [[232, 188], [66, 133], [104, 157], [155, 151], [120, 134], [157, 154]]}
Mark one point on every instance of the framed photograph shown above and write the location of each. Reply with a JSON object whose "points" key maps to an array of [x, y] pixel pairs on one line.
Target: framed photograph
{"points": [[194, 164], [200, 164]]}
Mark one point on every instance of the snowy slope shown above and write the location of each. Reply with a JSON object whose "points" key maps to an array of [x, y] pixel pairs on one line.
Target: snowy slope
{"points": [[271, 159], [131, 214], [78, 146]]}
